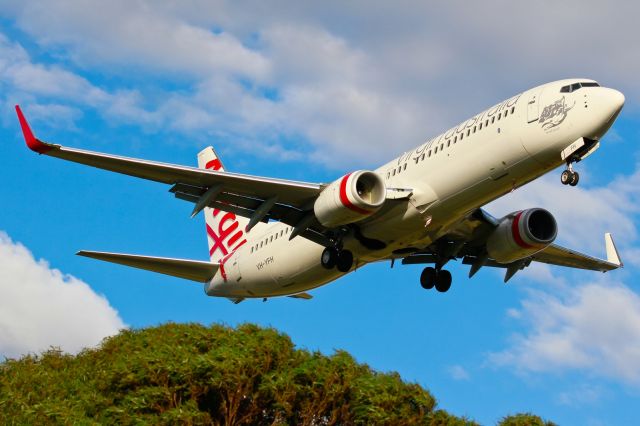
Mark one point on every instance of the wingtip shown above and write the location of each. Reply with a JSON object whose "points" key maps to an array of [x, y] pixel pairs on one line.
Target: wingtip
{"points": [[33, 143], [613, 256]]}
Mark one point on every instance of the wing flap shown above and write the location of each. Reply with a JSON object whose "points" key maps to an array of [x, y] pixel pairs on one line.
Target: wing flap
{"points": [[195, 270]]}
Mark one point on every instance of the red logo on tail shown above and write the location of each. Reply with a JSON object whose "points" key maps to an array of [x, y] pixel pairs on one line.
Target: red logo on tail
{"points": [[227, 238]]}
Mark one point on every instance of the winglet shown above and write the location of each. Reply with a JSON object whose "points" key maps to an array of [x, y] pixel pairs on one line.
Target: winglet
{"points": [[33, 143], [612, 251]]}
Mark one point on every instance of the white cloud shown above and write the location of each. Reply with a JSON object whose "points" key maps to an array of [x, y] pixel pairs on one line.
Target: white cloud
{"points": [[581, 395], [458, 372], [355, 83], [593, 328], [41, 307]]}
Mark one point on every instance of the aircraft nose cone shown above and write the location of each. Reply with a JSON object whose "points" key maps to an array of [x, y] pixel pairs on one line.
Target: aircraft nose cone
{"points": [[615, 101]]}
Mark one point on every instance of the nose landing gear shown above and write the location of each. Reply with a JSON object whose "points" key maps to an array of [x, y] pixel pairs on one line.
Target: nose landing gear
{"points": [[569, 177]]}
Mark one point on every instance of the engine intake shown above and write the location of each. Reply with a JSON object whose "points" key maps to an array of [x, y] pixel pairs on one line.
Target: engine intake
{"points": [[522, 234], [351, 198]]}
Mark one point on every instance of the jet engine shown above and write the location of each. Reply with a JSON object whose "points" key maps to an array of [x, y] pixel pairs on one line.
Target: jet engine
{"points": [[522, 234], [349, 199]]}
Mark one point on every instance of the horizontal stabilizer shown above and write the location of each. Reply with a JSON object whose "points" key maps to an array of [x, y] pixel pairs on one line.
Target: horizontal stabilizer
{"points": [[194, 270], [305, 296]]}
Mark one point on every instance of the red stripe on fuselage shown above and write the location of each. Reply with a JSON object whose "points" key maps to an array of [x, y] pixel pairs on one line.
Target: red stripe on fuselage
{"points": [[515, 231], [344, 199]]}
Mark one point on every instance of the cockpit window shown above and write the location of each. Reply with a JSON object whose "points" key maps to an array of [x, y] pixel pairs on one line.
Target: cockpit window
{"points": [[575, 86]]}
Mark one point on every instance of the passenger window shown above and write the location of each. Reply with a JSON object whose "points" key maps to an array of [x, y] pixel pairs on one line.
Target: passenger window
{"points": [[493, 119], [486, 123], [461, 136], [261, 244], [448, 143], [388, 175], [499, 116], [441, 146], [422, 157], [455, 139], [436, 150], [513, 109], [393, 173], [405, 166], [429, 155], [474, 129], [480, 127]]}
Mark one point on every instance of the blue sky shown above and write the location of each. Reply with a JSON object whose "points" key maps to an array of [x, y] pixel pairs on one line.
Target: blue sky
{"points": [[310, 92]]}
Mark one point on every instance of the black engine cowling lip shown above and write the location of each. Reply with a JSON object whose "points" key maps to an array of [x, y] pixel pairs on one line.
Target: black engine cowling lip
{"points": [[538, 232]]}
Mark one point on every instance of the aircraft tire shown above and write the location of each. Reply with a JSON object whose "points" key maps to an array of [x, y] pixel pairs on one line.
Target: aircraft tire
{"points": [[443, 281], [329, 258], [565, 177], [344, 261], [428, 278], [575, 178]]}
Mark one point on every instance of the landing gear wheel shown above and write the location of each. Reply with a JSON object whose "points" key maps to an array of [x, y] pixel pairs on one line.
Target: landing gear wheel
{"points": [[566, 177], [344, 261], [428, 278], [575, 178], [329, 258], [443, 281]]}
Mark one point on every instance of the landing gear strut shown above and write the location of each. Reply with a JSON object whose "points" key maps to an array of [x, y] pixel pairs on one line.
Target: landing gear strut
{"points": [[438, 278], [569, 177], [342, 259]]}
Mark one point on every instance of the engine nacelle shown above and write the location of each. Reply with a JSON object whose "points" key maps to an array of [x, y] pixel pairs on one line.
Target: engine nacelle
{"points": [[349, 199], [522, 234]]}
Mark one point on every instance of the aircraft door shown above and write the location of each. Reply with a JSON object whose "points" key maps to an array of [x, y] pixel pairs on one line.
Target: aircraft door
{"points": [[533, 107], [235, 267]]}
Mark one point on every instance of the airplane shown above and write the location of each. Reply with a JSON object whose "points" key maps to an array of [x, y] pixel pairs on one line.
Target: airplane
{"points": [[273, 237]]}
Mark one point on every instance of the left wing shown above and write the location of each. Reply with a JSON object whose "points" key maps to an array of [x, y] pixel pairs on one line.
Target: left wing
{"points": [[467, 242], [561, 256]]}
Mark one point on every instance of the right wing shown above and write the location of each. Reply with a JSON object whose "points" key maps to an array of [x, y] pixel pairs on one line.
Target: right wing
{"points": [[289, 192], [194, 270], [257, 198]]}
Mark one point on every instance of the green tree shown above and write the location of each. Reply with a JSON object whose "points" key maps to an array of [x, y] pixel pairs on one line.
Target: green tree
{"points": [[191, 374]]}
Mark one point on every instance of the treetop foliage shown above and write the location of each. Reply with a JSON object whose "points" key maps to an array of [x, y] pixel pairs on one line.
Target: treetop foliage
{"points": [[192, 374]]}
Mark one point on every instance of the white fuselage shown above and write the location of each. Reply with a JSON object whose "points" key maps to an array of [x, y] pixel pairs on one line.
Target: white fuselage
{"points": [[450, 176]]}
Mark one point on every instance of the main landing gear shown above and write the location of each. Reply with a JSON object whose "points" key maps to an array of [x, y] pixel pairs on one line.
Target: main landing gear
{"points": [[569, 177], [435, 277], [341, 259]]}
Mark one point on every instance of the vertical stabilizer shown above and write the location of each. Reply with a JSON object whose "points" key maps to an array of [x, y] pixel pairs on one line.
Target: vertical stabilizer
{"points": [[225, 230]]}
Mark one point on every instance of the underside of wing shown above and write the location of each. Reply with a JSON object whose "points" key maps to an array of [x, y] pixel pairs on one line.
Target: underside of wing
{"points": [[259, 199], [468, 241], [194, 270], [561, 256]]}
